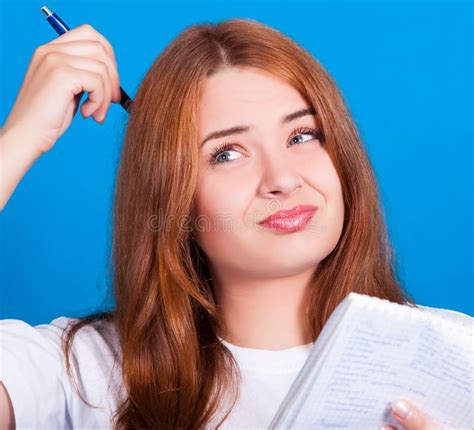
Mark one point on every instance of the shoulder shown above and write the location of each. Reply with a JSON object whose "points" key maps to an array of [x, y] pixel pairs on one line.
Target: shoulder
{"points": [[95, 357], [96, 338], [34, 372], [99, 337]]}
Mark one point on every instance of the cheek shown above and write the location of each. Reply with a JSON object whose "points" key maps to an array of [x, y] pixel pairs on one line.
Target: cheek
{"points": [[221, 204], [328, 179], [321, 175], [316, 165], [330, 187], [223, 196]]}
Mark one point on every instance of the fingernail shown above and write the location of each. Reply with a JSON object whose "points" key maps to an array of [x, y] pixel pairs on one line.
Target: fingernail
{"points": [[402, 409], [385, 427]]}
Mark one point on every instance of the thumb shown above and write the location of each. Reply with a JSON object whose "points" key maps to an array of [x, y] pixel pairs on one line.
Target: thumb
{"points": [[411, 417]]}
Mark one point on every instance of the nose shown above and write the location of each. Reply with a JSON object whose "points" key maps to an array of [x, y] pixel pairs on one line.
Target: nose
{"points": [[279, 175]]}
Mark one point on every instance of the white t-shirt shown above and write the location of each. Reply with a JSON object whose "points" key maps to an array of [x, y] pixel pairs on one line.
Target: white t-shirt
{"points": [[32, 368]]}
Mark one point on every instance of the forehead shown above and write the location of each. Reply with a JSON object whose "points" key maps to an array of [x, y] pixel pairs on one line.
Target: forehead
{"points": [[245, 95]]}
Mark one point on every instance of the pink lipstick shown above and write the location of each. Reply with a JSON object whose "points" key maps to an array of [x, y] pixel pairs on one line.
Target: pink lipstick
{"points": [[290, 220]]}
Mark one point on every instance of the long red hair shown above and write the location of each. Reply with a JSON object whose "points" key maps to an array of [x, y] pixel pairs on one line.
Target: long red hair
{"points": [[174, 368]]}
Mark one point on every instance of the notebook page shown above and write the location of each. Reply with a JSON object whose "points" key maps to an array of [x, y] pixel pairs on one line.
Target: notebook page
{"points": [[316, 356], [380, 351]]}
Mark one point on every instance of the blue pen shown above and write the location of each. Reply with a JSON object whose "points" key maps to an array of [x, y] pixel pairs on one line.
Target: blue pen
{"points": [[60, 26]]}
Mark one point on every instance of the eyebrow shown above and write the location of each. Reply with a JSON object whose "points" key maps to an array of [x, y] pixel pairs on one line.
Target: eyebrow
{"points": [[243, 128]]}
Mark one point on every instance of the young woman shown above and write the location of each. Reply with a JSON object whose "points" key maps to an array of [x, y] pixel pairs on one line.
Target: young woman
{"points": [[245, 210]]}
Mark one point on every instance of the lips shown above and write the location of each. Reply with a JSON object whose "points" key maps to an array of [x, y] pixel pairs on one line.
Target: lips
{"points": [[290, 220], [287, 213]]}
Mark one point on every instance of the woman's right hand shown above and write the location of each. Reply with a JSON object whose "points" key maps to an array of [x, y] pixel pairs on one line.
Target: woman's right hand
{"points": [[59, 71]]}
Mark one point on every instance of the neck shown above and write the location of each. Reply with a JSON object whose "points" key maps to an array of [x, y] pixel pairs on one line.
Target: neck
{"points": [[265, 313]]}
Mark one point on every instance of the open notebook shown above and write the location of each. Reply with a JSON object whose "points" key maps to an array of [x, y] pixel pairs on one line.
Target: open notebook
{"points": [[372, 351]]}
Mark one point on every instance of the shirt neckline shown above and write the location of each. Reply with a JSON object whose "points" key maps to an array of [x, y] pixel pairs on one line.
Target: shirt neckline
{"points": [[268, 361]]}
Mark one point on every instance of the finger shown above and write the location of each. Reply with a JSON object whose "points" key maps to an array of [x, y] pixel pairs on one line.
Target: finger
{"points": [[96, 106], [91, 49], [100, 98], [411, 417], [85, 80], [94, 84], [86, 32]]}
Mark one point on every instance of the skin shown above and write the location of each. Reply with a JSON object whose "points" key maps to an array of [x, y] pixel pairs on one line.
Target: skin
{"points": [[252, 267], [266, 175]]}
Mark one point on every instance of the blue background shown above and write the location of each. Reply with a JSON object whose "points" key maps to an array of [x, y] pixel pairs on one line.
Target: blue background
{"points": [[404, 69]]}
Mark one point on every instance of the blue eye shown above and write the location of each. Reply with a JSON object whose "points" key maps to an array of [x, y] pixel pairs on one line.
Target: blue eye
{"points": [[226, 148], [223, 149], [301, 131], [301, 134]]}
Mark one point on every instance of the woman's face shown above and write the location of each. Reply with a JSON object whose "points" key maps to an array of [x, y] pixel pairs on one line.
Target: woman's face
{"points": [[265, 169]]}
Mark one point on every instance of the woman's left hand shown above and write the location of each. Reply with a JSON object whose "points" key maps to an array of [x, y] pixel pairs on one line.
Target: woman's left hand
{"points": [[410, 417]]}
